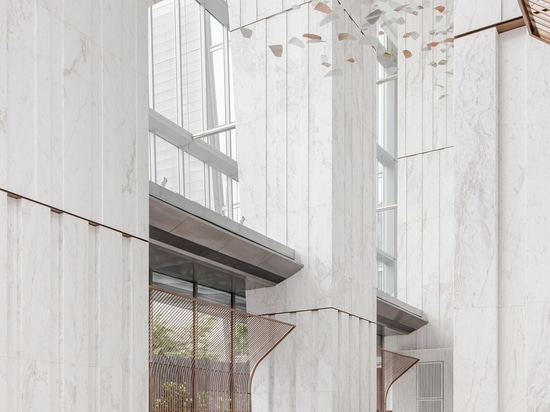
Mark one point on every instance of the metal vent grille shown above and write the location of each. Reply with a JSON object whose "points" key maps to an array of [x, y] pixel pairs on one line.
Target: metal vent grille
{"points": [[536, 14], [430, 405], [429, 386], [430, 380]]}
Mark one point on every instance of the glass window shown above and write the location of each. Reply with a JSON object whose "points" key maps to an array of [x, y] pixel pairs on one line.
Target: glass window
{"points": [[386, 185]]}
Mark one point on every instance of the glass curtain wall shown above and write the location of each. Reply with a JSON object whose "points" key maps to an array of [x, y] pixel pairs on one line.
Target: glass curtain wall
{"points": [[191, 86], [386, 212]]}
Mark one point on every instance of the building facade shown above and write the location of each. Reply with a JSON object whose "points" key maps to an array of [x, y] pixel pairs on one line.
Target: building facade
{"points": [[368, 171]]}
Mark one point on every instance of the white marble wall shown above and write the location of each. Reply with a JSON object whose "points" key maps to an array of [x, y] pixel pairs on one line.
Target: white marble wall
{"points": [[73, 313], [476, 211], [425, 199], [73, 93], [304, 144], [306, 170], [502, 290], [524, 289], [328, 363], [476, 14], [73, 137]]}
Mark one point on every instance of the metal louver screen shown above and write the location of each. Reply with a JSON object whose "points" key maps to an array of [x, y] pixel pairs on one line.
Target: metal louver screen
{"points": [[432, 405], [391, 366], [536, 14], [202, 357], [430, 380]]}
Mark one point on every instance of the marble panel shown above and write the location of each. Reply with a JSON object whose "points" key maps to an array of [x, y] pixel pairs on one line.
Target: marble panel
{"points": [[446, 184], [74, 300], [96, 143], [110, 389], [344, 356], [48, 107], [109, 299], [536, 346], [430, 185], [75, 387], [267, 9], [35, 294], [476, 166], [512, 358], [132, 158], [34, 385], [512, 168], [3, 94], [5, 292], [445, 331], [276, 129], [129, 35], [249, 58], [21, 125], [538, 170], [93, 282], [77, 162], [414, 264], [510, 9], [470, 15], [139, 308], [248, 13], [112, 147], [327, 344], [111, 16], [476, 359], [411, 75], [427, 77], [415, 188], [142, 162], [13, 277], [142, 42], [234, 7], [78, 14]]}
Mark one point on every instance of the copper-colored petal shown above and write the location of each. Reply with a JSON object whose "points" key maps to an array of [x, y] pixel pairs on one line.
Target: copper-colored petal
{"points": [[407, 54], [328, 19], [277, 50], [385, 57], [247, 33], [433, 44], [312, 36], [415, 35], [449, 40], [351, 60], [297, 42], [373, 17], [346, 36], [334, 72], [323, 8], [440, 9], [399, 8], [442, 62]]}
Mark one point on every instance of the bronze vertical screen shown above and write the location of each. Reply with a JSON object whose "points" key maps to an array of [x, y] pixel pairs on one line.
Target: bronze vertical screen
{"points": [[202, 356], [391, 366]]}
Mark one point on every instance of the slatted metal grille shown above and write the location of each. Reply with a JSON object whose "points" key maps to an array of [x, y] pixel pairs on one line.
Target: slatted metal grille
{"points": [[536, 14], [391, 366], [202, 357]]}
